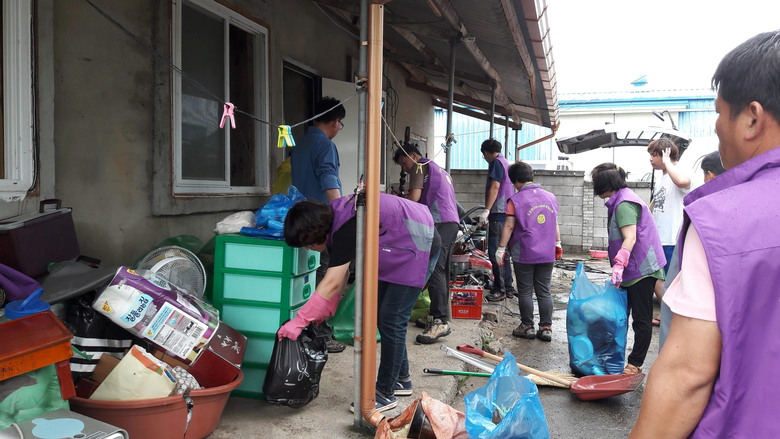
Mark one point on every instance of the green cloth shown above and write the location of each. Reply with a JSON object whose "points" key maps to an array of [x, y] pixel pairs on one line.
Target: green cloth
{"points": [[29, 395]]}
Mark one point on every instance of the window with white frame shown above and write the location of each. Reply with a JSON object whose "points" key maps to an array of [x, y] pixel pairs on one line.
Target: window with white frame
{"points": [[223, 58], [17, 152]]}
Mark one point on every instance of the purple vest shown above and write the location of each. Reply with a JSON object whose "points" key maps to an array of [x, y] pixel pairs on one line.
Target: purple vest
{"points": [[405, 236], [504, 191], [536, 217], [736, 217], [647, 256], [439, 194]]}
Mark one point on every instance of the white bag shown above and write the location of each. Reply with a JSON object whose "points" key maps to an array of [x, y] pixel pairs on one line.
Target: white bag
{"points": [[138, 376], [233, 223]]}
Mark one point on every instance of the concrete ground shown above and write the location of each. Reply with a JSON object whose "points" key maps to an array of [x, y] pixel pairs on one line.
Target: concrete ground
{"points": [[328, 416]]}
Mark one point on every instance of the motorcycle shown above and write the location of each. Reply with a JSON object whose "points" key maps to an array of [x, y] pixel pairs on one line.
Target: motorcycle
{"points": [[470, 264]]}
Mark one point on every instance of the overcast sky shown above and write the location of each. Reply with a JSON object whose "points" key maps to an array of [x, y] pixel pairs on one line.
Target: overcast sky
{"points": [[604, 45]]}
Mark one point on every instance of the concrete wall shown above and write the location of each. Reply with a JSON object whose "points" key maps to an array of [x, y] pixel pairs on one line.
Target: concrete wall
{"points": [[581, 215], [104, 116]]}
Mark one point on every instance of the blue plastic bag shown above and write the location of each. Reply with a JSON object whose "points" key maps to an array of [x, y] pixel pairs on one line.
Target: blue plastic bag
{"points": [[596, 325], [270, 218], [511, 400]]}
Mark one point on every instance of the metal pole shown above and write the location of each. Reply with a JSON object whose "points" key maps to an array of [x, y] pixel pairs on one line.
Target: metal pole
{"points": [[361, 210], [506, 138], [492, 108], [374, 151], [450, 98]]}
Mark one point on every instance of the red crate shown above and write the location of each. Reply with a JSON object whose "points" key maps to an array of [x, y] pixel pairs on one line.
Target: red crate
{"points": [[466, 302]]}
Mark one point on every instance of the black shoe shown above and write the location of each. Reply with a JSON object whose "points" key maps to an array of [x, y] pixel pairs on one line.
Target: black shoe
{"points": [[334, 346], [496, 297]]}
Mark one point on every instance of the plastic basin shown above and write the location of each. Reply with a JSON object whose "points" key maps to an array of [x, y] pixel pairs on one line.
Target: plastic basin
{"points": [[162, 418], [598, 254]]}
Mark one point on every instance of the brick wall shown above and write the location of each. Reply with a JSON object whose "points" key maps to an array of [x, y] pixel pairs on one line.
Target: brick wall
{"points": [[581, 216]]}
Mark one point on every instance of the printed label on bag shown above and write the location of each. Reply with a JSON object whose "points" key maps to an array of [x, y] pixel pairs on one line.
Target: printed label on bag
{"points": [[136, 309], [176, 332]]}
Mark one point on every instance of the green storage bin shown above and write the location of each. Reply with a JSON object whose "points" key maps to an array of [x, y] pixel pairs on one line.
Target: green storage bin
{"points": [[252, 386], [259, 349], [291, 291], [248, 253], [253, 319]]}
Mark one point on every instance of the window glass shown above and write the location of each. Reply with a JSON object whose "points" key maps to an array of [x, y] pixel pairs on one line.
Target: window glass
{"points": [[223, 58]]}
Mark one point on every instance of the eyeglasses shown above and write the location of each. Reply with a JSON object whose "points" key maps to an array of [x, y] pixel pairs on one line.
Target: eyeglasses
{"points": [[341, 125]]}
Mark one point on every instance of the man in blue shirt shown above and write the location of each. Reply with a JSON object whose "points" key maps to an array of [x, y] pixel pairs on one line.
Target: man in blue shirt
{"points": [[315, 172], [315, 159]]}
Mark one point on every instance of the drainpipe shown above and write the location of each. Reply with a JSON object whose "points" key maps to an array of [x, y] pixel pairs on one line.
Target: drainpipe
{"points": [[361, 210], [371, 257], [492, 108], [549, 136], [450, 99]]}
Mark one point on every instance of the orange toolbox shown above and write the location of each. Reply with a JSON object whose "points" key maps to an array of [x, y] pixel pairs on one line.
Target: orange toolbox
{"points": [[33, 342]]}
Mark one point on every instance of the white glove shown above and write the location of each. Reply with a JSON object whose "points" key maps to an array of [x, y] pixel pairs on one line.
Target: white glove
{"points": [[500, 252], [483, 218]]}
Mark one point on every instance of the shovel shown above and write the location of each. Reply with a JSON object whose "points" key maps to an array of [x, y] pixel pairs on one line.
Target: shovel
{"points": [[587, 388]]}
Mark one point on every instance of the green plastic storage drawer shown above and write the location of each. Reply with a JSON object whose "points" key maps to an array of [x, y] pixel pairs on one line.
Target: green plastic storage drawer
{"points": [[247, 253], [252, 320], [290, 291], [252, 386]]}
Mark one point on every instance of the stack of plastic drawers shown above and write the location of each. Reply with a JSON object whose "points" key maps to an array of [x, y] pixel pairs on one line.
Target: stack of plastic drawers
{"points": [[258, 285]]}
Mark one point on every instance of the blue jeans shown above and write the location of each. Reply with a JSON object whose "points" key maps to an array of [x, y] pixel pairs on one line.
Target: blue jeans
{"points": [[502, 276], [395, 303]]}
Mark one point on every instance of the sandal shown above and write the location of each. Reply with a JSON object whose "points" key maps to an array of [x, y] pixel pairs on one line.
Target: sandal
{"points": [[656, 321], [630, 369]]}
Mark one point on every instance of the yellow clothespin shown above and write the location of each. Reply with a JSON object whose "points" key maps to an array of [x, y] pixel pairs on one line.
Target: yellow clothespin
{"points": [[285, 138]]}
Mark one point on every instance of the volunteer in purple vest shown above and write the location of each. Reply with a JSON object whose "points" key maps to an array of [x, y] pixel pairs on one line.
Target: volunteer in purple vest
{"points": [[635, 252], [497, 191], [534, 238], [431, 185], [408, 249], [716, 376]]}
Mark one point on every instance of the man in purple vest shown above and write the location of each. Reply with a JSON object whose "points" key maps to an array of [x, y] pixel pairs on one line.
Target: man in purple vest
{"points": [[431, 185], [717, 373], [534, 239], [408, 250], [497, 191]]}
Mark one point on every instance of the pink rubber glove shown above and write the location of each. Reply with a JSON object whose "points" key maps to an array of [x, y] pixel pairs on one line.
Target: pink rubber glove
{"points": [[621, 260], [316, 309]]}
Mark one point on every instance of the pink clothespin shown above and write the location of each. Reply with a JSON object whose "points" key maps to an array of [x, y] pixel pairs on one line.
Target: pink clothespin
{"points": [[227, 113]]}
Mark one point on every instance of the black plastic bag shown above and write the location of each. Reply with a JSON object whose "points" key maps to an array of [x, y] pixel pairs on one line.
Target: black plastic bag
{"points": [[293, 377]]}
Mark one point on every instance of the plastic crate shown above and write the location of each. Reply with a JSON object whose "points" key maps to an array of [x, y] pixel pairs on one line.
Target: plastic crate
{"points": [[466, 302]]}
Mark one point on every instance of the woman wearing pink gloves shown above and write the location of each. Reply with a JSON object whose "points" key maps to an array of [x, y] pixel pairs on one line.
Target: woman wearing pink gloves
{"points": [[635, 252], [408, 250]]}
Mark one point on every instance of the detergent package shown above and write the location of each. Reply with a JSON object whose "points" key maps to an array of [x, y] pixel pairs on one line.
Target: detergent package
{"points": [[150, 307]]}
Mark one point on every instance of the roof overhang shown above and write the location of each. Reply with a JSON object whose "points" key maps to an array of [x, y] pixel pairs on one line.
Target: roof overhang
{"points": [[502, 52]]}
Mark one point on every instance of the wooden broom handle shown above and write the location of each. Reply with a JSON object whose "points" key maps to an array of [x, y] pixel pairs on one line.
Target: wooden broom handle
{"points": [[524, 368]]}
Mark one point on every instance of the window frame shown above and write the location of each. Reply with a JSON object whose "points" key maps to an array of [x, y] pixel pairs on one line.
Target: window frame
{"points": [[18, 133], [191, 187]]}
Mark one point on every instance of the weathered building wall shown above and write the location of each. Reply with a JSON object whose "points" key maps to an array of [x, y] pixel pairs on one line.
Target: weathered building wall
{"points": [[582, 216]]}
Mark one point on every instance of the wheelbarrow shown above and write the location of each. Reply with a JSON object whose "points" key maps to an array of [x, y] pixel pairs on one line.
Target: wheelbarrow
{"points": [[587, 388]]}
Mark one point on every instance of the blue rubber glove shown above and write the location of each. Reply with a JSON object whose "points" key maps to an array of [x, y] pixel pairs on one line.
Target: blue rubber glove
{"points": [[316, 309], [621, 260]]}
